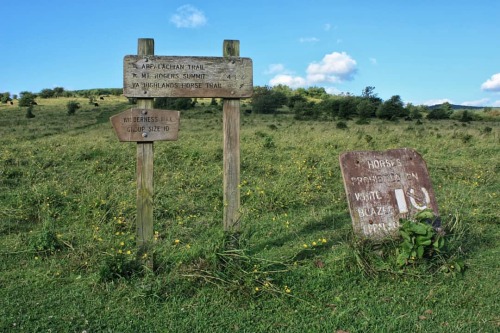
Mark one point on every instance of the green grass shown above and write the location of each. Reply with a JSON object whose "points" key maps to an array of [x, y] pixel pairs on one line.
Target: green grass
{"points": [[67, 226]]}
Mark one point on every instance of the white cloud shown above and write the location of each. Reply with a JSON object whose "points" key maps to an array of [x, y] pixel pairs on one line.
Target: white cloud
{"points": [[437, 101], [492, 84], [496, 104], [275, 68], [188, 16], [288, 80], [308, 39], [479, 102], [334, 68]]}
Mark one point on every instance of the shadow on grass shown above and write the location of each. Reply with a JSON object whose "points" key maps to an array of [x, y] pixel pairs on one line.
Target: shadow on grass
{"points": [[332, 222]]}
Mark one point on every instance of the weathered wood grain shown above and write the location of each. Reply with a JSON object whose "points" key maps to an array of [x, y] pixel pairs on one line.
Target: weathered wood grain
{"points": [[231, 125], [175, 76]]}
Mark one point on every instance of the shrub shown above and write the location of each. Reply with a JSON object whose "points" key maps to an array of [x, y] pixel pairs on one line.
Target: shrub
{"points": [[341, 125], [29, 112], [72, 106], [27, 98]]}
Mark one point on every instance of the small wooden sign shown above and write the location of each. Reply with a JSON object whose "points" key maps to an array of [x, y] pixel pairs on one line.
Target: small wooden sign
{"points": [[382, 187], [174, 76], [146, 125]]}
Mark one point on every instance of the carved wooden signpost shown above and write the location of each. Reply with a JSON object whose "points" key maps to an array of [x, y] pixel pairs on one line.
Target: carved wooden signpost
{"points": [[158, 76], [146, 76], [146, 125], [382, 187]]}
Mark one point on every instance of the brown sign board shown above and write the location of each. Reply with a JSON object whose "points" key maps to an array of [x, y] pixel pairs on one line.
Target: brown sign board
{"points": [[145, 125], [382, 187], [174, 76]]}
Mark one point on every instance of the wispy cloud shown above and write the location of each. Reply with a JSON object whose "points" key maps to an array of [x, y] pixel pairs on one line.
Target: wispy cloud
{"points": [[188, 16], [275, 69], [492, 84], [327, 27], [308, 39], [373, 61]]}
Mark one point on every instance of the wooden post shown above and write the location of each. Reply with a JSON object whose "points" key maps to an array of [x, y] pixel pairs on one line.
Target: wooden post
{"points": [[145, 188], [231, 124]]}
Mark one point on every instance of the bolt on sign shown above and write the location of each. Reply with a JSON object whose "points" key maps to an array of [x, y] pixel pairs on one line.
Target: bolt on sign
{"points": [[383, 187], [146, 125], [175, 76]]}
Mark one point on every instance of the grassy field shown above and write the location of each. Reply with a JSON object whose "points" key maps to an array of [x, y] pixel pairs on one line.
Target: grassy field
{"points": [[67, 228]]}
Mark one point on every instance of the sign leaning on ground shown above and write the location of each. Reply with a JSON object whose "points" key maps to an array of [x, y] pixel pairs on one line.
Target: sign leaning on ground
{"points": [[382, 187], [175, 76]]}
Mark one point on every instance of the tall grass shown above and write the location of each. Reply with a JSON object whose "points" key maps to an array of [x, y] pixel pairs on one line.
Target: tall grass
{"points": [[67, 228]]}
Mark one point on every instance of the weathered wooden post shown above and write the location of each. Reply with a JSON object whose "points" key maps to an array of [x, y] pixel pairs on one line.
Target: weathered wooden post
{"points": [[231, 124], [147, 76], [145, 189]]}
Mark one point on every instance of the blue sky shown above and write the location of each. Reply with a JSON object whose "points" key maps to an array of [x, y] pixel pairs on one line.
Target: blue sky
{"points": [[426, 51]]}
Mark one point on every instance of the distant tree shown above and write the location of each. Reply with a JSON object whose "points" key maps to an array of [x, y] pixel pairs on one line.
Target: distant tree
{"points": [[444, 111], [331, 107], [266, 100], [369, 110], [392, 108], [58, 91], [295, 98], [348, 107], [306, 110], [414, 112], [46, 93], [316, 92], [368, 92], [5, 97], [365, 109], [286, 90], [14, 96], [27, 98]]}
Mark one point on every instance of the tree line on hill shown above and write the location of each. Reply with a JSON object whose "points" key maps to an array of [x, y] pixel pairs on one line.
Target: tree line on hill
{"points": [[27, 98], [312, 103], [316, 103]]}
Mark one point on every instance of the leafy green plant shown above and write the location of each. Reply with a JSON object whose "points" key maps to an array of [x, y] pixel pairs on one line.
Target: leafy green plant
{"points": [[72, 106], [119, 266], [420, 239], [45, 241]]}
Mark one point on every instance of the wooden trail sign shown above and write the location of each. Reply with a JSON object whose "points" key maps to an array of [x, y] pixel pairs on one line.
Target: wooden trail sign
{"points": [[146, 125], [147, 76], [382, 187], [173, 76]]}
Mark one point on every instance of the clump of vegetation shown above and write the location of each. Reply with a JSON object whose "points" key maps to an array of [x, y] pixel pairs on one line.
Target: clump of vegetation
{"points": [[29, 112], [419, 239], [72, 106], [341, 125]]}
